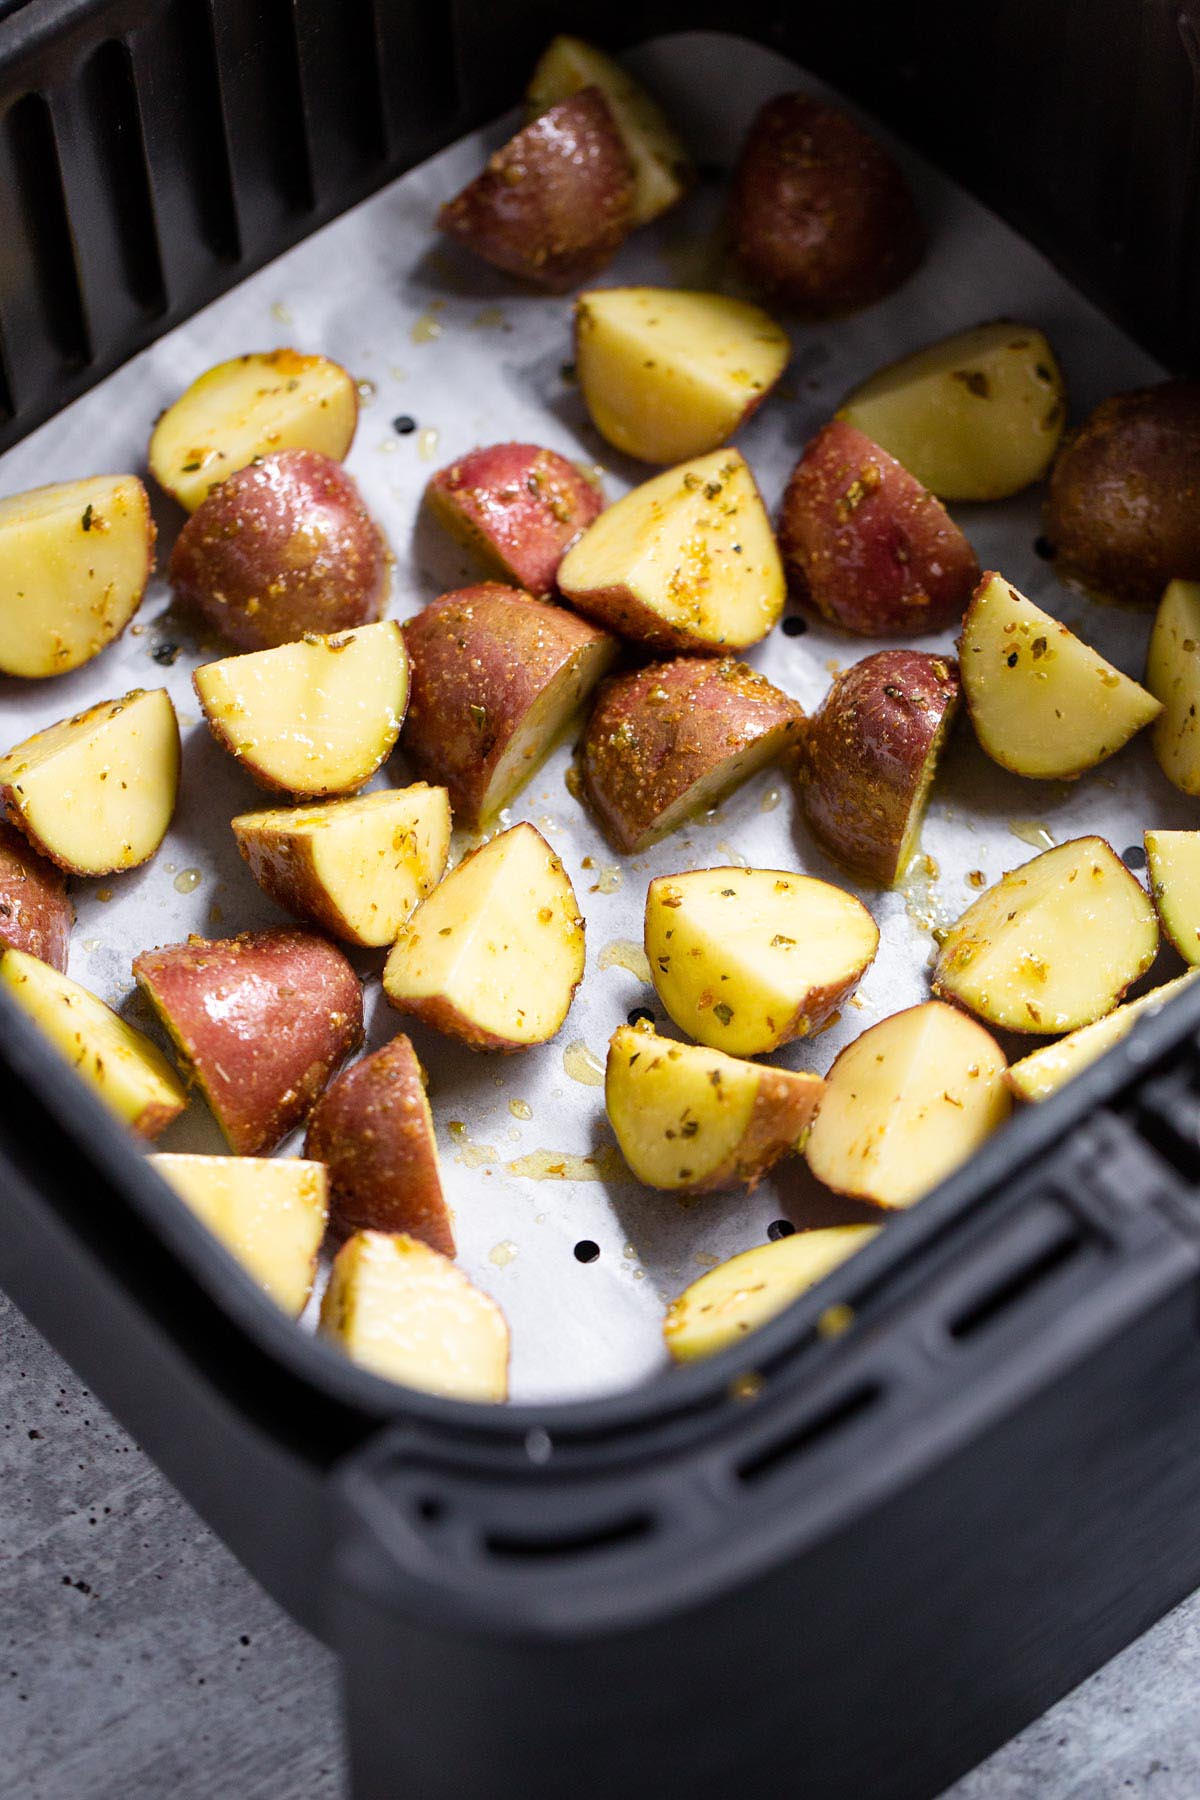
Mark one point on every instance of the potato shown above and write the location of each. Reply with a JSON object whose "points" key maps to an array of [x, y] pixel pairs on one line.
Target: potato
{"points": [[35, 913], [977, 416], [555, 202], [494, 956], [260, 1022], [313, 718], [905, 1104], [373, 1130], [247, 407], [270, 1215], [1174, 859], [667, 374], [1044, 1071], [1053, 944], [124, 1068], [404, 1312], [669, 741], [748, 959], [742, 1294], [74, 562], [684, 562], [690, 1119], [517, 507], [1123, 513], [96, 793], [821, 216], [1173, 676], [356, 868], [496, 679], [1041, 701], [870, 756], [661, 165]]}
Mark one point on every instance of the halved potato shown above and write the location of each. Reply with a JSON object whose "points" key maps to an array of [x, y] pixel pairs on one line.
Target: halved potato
{"points": [[1053, 944], [96, 793], [1174, 859], [312, 718], [36, 914], [905, 1104], [748, 959], [1042, 702], [1042, 1073], [270, 1214], [690, 1119], [742, 1294], [1173, 676], [125, 1068], [247, 407]]}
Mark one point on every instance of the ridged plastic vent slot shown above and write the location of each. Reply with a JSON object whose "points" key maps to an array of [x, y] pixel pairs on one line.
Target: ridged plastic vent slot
{"points": [[988, 1307], [767, 1459], [606, 1535]]}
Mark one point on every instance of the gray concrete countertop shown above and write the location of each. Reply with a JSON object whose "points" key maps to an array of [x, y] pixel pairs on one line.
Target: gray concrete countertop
{"points": [[138, 1659]]}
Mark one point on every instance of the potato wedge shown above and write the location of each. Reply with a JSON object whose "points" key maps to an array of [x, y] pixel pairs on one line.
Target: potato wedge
{"points": [[124, 1068], [247, 407], [905, 1104], [1173, 676], [748, 959], [1044, 1071], [96, 793], [684, 562], [1174, 859], [357, 868], [518, 508], [977, 416], [269, 1213], [36, 914], [691, 1120], [1042, 702], [313, 718], [741, 1295], [666, 374], [74, 562], [494, 956], [1053, 944]]}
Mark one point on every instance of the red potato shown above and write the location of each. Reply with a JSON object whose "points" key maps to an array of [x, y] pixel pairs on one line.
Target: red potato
{"points": [[866, 545], [517, 507], [260, 1022], [35, 914], [281, 548], [555, 202]]}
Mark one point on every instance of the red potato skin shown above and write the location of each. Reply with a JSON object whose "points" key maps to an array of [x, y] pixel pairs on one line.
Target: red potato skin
{"points": [[821, 217], [372, 1130], [35, 913], [865, 545], [555, 202], [261, 1021], [281, 548], [518, 508]]}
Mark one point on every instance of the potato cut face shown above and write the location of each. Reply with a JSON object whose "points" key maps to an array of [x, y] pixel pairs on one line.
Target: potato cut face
{"points": [[977, 416], [96, 793], [248, 407], [1174, 859], [668, 374], [312, 718], [74, 562], [1042, 1073], [1053, 944], [407, 1313], [905, 1104], [1173, 676], [496, 952], [269, 1214], [660, 565], [124, 1068], [734, 1299], [1042, 702], [747, 959]]}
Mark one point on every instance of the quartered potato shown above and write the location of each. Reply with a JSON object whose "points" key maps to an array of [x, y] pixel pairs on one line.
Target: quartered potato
{"points": [[36, 914], [270, 1213], [517, 507], [1174, 860], [1042, 1073], [1173, 676]]}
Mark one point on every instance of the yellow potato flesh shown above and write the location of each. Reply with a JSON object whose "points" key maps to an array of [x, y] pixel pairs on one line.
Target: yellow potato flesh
{"points": [[1038, 1076], [667, 374], [96, 792], [743, 1293], [269, 1213], [1174, 859], [403, 1311], [905, 1104], [1173, 676], [738, 955], [1054, 944], [315, 717], [1041, 701], [975, 417], [248, 407]]}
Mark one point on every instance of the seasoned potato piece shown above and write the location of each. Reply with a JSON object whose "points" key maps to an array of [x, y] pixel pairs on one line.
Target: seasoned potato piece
{"points": [[269, 1214], [36, 914], [1174, 859], [740, 1295], [1044, 1071], [905, 1104], [517, 507], [1053, 944], [1173, 676], [748, 959]]}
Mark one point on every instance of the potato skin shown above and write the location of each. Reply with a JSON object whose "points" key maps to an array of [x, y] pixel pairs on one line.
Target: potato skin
{"points": [[35, 913], [554, 203], [821, 216], [518, 507], [1123, 513], [866, 545]]}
